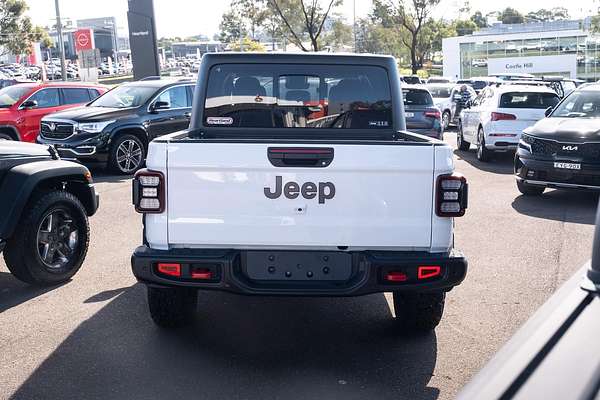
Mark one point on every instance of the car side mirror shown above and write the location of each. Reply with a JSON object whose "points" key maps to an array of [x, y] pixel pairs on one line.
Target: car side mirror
{"points": [[160, 105], [29, 104], [548, 111], [456, 98]]}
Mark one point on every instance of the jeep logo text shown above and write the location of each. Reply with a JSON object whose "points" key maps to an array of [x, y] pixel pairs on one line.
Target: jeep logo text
{"points": [[308, 190]]}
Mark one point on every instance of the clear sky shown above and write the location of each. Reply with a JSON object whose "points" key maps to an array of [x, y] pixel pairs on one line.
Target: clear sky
{"points": [[192, 17]]}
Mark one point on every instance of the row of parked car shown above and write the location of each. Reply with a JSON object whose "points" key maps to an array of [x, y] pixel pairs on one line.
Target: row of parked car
{"points": [[556, 136], [114, 130]]}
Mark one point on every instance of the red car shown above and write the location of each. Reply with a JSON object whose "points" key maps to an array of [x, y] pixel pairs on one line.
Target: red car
{"points": [[22, 106]]}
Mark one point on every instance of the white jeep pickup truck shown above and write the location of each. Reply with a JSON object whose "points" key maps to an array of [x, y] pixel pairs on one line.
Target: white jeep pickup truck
{"points": [[297, 177]]}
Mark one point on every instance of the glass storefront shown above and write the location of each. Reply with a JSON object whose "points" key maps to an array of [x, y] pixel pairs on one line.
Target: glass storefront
{"points": [[474, 56]]}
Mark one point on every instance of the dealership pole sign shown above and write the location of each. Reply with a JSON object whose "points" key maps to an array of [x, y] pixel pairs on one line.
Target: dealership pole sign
{"points": [[142, 39], [84, 39]]}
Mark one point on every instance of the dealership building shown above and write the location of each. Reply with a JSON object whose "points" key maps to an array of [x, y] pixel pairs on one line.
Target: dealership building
{"points": [[547, 48]]}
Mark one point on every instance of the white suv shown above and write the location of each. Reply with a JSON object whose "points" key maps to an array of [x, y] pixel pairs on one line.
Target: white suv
{"points": [[497, 116]]}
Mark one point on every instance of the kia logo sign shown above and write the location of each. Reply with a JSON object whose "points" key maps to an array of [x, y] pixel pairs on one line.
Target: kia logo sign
{"points": [[83, 39], [570, 148]]}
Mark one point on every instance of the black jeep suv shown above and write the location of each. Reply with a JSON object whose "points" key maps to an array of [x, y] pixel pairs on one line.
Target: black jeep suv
{"points": [[44, 205], [115, 129], [563, 150]]}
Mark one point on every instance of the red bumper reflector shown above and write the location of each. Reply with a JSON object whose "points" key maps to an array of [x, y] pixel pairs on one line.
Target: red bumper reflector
{"points": [[428, 271], [396, 277], [171, 269], [201, 274]]}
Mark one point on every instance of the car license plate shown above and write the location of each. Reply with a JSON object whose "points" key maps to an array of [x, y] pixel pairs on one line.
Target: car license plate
{"points": [[297, 265], [409, 114], [566, 165]]}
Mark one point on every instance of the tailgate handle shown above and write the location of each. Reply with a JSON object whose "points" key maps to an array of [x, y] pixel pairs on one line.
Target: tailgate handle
{"points": [[309, 157]]}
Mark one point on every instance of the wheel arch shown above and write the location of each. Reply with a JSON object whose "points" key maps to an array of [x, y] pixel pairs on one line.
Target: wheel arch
{"points": [[26, 182], [135, 130], [11, 130]]}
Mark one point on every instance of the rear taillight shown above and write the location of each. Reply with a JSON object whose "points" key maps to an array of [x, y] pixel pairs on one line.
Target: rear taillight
{"points": [[496, 116], [452, 195], [433, 114], [171, 269], [149, 192]]}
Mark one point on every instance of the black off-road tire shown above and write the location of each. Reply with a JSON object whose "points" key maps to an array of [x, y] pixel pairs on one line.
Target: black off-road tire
{"points": [[418, 312], [446, 120], [172, 307], [21, 253], [460, 139], [483, 154], [530, 190], [5, 136]]}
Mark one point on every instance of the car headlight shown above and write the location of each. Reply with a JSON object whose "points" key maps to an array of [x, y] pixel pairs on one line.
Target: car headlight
{"points": [[93, 127], [525, 142]]}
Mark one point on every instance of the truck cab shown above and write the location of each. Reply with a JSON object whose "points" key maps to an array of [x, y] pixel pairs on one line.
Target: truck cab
{"points": [[297, 177]]}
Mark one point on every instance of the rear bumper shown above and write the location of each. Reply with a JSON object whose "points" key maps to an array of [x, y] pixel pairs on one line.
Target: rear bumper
{"points": [[542, 173], [367, 271], [501, 141]]}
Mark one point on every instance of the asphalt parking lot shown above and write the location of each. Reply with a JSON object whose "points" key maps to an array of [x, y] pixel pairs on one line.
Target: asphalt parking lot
{"points": [[92, 338]]}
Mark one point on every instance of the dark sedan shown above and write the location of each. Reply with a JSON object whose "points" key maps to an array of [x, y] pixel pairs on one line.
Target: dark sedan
{"points": [[563, 150], [422, 116]]}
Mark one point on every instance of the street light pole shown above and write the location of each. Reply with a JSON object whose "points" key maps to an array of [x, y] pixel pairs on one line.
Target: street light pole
{"points": [[354, 22], [61, 43]]}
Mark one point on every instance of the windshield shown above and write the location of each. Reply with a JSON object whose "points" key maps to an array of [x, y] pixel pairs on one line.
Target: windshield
{"points": [[125, 96], [298, 96], [583, 104], [11, 94], [416, 97], [439, 91], [528, 100]]}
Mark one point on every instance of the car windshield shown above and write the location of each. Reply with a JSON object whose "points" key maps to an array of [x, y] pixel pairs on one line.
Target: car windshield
{"points": [[582, 104], [439, 91], [11, 94], [125, 96], [416, 97], [528, 100], [298, 96]]}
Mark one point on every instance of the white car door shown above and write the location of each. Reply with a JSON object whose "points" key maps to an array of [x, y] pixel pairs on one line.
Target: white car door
{"points": [[472, 119]]}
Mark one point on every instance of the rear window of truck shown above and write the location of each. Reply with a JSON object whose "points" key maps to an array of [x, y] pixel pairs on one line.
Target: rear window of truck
{"points": [[298, 96]]}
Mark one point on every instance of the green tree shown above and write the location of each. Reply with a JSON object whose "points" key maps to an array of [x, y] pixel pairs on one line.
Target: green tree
{"points": [[595, 24], [340, 34], [372, 37], [464, 27], [232, 27], [249, 45], [479, 20], [409, 17], [540, 15], [252, 12], [17, 32], [313, 17], [511, 16]]}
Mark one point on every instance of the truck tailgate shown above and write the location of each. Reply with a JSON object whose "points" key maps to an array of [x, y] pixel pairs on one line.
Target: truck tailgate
{"points": [[217, 197]]}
